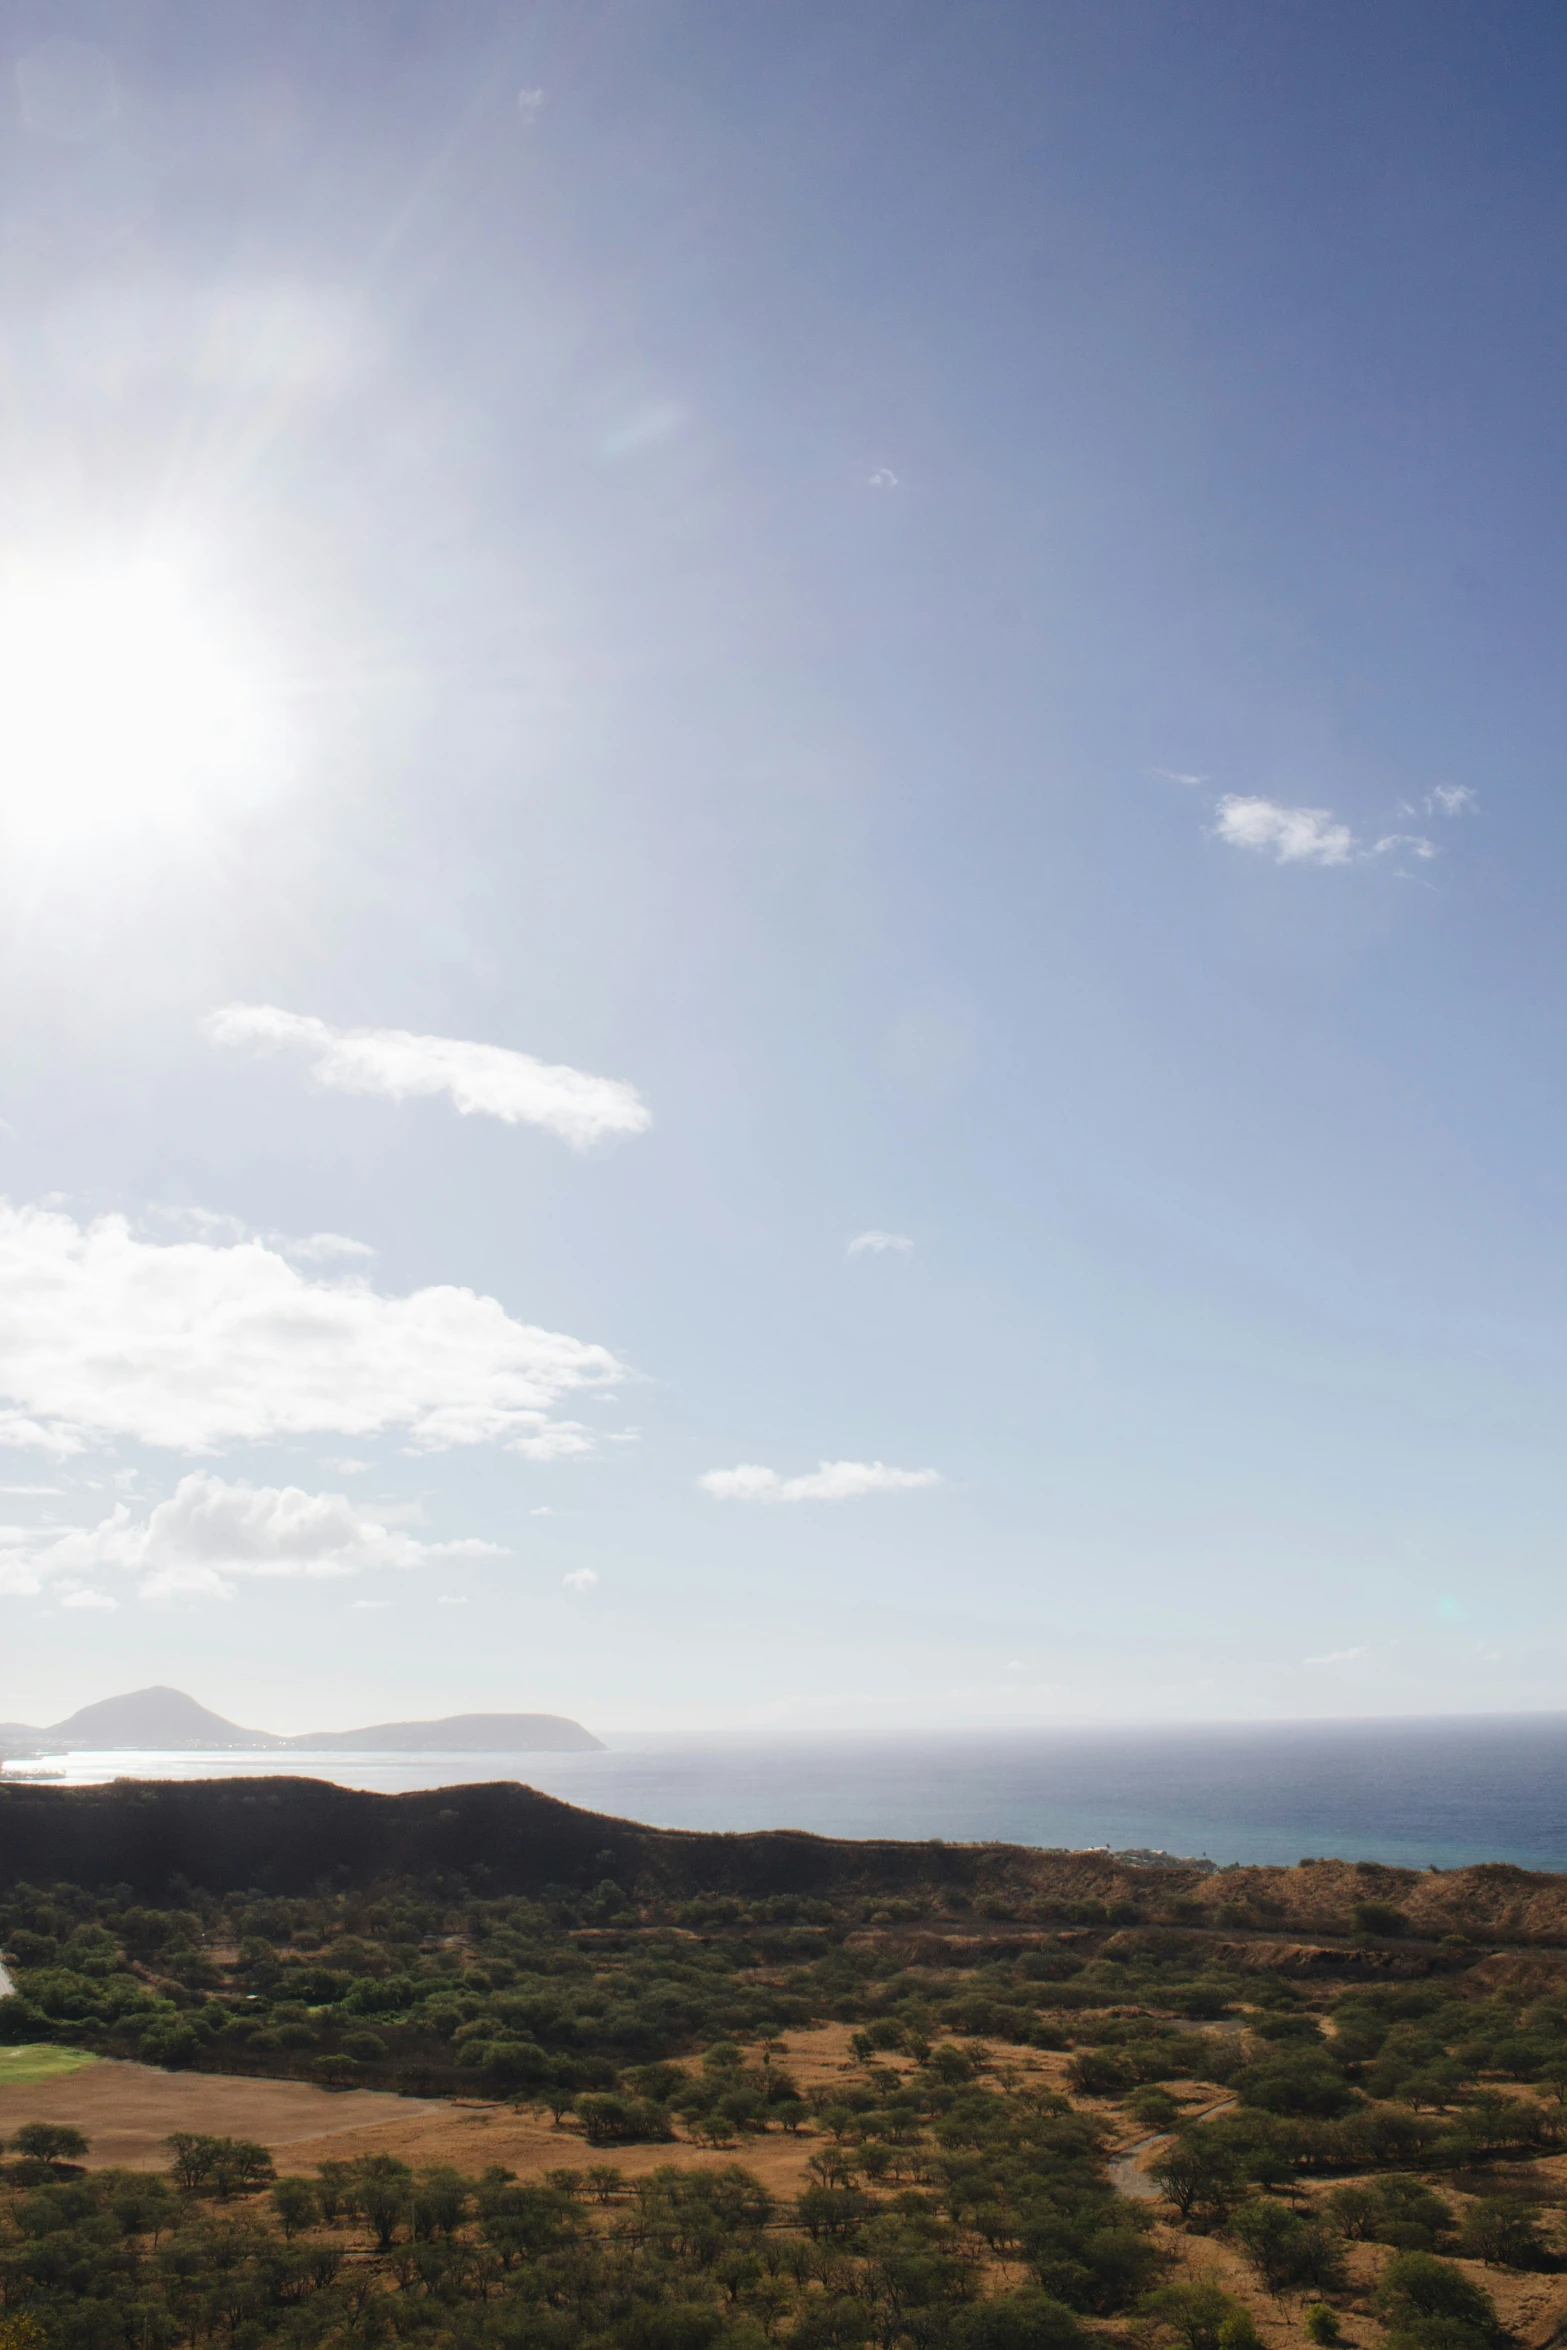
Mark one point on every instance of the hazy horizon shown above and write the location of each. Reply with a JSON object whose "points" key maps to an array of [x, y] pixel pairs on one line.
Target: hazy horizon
{"points": [[756, 1726], [780, 824]]}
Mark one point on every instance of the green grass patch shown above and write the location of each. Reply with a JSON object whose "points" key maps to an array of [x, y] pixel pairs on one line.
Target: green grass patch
{"points": [[23, 2068]]}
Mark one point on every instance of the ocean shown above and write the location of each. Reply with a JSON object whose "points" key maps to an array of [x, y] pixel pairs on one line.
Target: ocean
{"points": [[1429, 1793]]}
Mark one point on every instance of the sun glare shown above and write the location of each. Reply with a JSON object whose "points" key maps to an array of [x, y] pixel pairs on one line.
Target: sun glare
{"points": [[120, 706]]}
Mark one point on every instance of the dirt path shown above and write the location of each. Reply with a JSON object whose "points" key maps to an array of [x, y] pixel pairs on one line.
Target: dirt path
{"points": [[7, 1987], [1128, 2174]]}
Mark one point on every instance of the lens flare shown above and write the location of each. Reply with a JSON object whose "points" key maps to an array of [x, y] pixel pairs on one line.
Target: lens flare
{"points": [[122, 706]]}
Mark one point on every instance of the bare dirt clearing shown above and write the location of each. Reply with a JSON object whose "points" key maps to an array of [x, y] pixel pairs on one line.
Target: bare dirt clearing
{"points": [[127, 2110], [470, 2136]]}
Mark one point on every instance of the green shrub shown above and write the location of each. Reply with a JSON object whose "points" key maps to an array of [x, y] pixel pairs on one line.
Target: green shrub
{"points": [[1428, 2304]]}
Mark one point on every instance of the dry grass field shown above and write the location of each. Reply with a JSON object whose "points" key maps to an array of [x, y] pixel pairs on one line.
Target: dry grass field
{"points": [[127, 2110]]}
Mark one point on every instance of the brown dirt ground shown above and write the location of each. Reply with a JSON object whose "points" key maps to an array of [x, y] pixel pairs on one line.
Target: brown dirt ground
{"points": [[1532, 2307], [127, 2110], [470, 2136]]}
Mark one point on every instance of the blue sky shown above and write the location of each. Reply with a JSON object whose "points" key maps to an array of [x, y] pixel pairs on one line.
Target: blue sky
{"points": [[958, 610]]}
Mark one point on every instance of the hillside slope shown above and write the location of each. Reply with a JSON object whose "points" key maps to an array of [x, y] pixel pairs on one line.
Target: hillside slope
{"points": [[291, 1835]]}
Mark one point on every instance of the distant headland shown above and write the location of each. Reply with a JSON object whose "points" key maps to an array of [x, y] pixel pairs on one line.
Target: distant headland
{"points": [[164, 1719]]}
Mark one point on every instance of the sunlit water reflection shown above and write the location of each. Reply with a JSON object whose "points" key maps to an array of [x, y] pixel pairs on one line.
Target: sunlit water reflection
{"points": [[1423, 1793]]}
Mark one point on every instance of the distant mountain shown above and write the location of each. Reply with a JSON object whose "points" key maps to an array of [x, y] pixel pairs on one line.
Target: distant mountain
{"points": [[463, 1734], [149, 1718], [166, 1718]]}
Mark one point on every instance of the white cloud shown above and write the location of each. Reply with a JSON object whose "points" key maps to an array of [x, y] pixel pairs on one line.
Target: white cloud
{"points": [[1338, 1656], [193, 1346], [829, 1481], [876, 1244], [1315, 836], [882, 479], [208, 1533], [89, 1599], [319, 1248], [1453, 799], [314, 1248], [1174, 775], [580, 1579], [481, 1079], [1296, 836], [1415, 842]]}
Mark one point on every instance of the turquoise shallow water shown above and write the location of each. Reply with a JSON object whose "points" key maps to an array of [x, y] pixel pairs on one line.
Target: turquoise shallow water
{"points": [[1437, 1792]]}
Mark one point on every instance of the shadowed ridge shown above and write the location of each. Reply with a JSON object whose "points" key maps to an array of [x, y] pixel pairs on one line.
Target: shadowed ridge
{"points": [[290, 1835], [298, 1836]]}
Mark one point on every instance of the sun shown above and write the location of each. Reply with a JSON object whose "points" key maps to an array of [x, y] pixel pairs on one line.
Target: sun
{"points": [[122, 705]]}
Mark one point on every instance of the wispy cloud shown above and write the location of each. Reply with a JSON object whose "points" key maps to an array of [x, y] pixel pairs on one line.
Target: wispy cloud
{"points": [[320, 1248], [485, 1080], [208, 1533], [882, 479], [580, 1579], [1294, 836], [1415, 842], [195, 1223], [829, 1481], [193, 1346], [1315, 836], [191, 1223], [878, 1244], [1174, 775], [1337, 1656]]}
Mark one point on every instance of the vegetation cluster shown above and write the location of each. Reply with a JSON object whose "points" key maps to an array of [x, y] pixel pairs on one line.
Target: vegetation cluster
{"points": [[373, 2251], [1007, 2037]]}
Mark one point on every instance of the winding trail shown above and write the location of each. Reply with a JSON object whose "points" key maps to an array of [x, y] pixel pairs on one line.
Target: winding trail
{"points": [[7, 1987], [1127, 2174]]}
